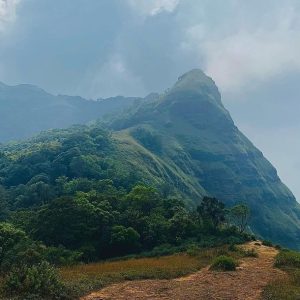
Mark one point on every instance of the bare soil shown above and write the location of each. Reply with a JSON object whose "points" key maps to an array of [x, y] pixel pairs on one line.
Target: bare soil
{"points": [[246, 283]]}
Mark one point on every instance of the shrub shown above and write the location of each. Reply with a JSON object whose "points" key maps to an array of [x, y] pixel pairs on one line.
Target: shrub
{"points": [[193, 250], [267, 243], [224, 263], [287, 258], [36, 282], [233, 248]]}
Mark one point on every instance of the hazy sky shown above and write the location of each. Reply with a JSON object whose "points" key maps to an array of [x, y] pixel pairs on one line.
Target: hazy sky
{"points": [[100, 48]]}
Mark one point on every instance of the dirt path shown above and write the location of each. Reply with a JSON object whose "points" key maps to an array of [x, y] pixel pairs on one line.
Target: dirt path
{"points": [[244, 284]]}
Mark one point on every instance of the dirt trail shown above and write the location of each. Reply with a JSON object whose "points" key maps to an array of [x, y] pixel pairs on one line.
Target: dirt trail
{"points": [[244, 284]]}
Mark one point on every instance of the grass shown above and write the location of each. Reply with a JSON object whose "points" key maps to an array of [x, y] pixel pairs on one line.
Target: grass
{"points": [[287, 288], [83, 279], [240, 252], [287, 258], [248, 252]]}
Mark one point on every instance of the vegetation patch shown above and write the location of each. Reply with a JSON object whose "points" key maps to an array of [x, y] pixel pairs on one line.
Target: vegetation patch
{"points": [[224, 263], [249, 253], [267, 243], [287, 288], [36, 282], [288, 258]]}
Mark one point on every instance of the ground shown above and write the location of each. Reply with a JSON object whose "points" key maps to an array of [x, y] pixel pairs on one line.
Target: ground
{"points": [[244, 284]]}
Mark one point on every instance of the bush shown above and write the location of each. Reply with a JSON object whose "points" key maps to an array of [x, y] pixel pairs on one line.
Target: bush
{"points": [[193, 250], [287, 258], [36, 282], [267, 243], [224, 263], [233, 248]]}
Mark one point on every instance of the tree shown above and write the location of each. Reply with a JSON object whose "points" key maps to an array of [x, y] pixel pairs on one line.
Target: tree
{"points": [[3, 203], [211, 211], [239, 216], [72, 222], [143, 199], [181, 226], [124, 240], [9, 237]]}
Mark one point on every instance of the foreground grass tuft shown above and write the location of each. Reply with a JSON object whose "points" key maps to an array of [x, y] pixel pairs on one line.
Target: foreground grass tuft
{"points": [[289, 287], [224, 263], [284, 289], [287, 258]]}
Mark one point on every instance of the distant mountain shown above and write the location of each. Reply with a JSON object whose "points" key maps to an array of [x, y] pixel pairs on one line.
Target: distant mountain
{"points": [[26, 110]]}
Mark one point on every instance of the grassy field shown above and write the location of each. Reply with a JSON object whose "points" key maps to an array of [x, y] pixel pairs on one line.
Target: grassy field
{"points": [[287, 288], [86, 278]]}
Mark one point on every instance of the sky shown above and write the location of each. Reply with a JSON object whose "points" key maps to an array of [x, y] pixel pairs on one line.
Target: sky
{"points": [[102, 48]]}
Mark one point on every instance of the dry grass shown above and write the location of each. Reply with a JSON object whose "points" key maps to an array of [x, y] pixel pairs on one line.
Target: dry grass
{"points": [[86, 278]]}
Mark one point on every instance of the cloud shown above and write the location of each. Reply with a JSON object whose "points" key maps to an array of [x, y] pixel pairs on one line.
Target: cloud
{"points": [[153, 7], [113, 75], [245, 54], [7, 12]]}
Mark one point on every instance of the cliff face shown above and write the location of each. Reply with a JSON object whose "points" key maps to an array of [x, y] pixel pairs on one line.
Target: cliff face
{"points": [[194, 146]]}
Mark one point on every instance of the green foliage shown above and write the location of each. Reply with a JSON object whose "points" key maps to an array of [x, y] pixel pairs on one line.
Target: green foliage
{"points": [[281, 290], [148, 139], [287, 258], [124, 240], [193, 250], [287, 288], [224, 263], [239, 215], [40, 281], [267, 243], [211, 211]]}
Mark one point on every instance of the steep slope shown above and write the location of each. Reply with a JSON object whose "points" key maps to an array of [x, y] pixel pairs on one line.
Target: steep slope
{"points": [[190, 132], [26, 110]]}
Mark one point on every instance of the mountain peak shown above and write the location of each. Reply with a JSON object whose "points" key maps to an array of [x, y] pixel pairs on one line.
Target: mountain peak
{"points": [[198, 83]]}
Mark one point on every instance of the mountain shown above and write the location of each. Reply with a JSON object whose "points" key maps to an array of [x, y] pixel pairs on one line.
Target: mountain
{"points": [[183, 141], [26, 110], [188, 140]]}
